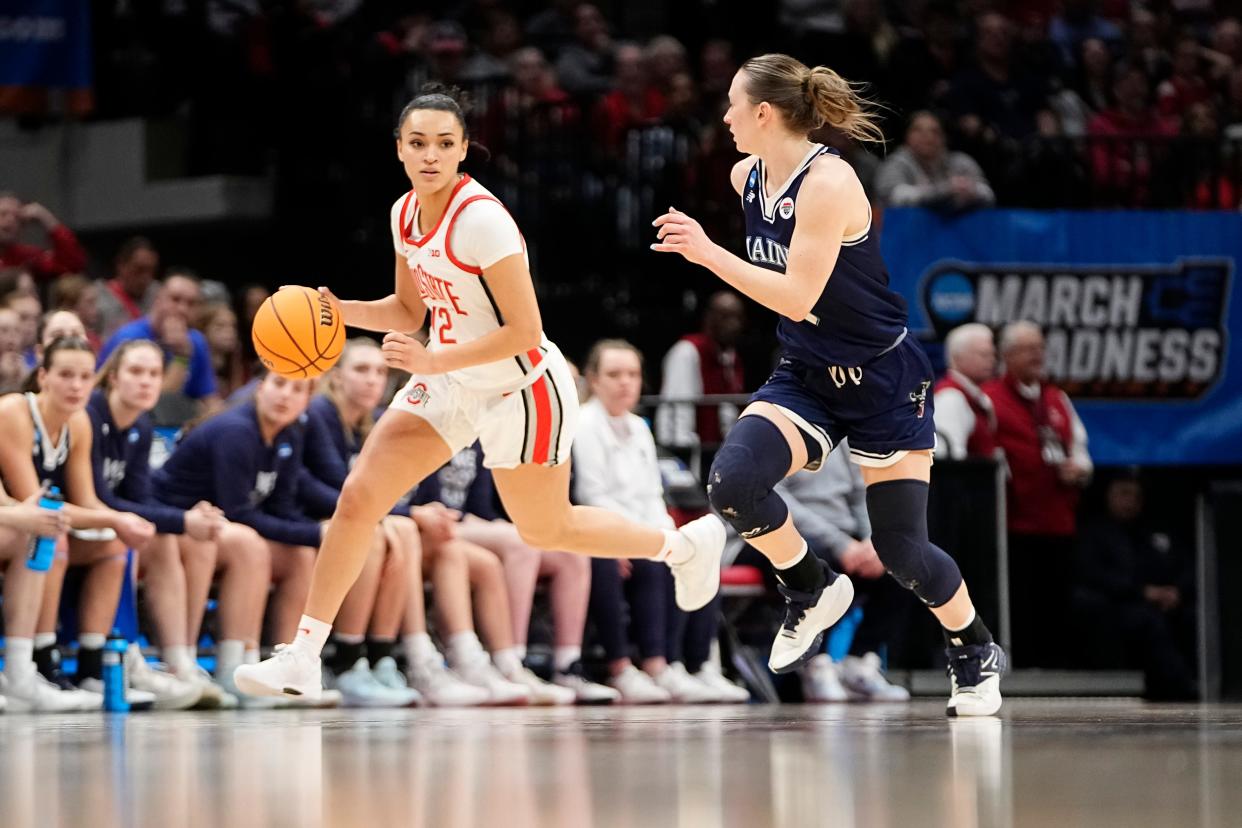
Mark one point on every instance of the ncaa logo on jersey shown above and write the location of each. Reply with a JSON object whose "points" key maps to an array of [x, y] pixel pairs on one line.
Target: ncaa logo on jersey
{"points": [[418, 394], [786, 207]]}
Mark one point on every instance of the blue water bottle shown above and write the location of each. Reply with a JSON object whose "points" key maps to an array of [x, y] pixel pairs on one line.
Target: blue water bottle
{"points": [[43, 547], [114, 673]]}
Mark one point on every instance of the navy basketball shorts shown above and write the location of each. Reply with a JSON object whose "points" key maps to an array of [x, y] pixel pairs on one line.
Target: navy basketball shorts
{"points": [[883, 407]]}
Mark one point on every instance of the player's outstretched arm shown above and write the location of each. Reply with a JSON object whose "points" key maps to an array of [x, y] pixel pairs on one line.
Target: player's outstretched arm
{"points": [[521, 327], [812, 254]]}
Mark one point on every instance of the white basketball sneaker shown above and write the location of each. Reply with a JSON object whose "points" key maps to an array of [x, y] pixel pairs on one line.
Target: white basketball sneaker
{"points": [[729, 693], [696, 580], [821, 681], [975, 672], [865, 681], [808, 615], [441, 687], [291, 671]]}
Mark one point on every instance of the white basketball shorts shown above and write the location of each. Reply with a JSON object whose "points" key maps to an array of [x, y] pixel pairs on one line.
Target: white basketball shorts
{"points": [[534, 424]]}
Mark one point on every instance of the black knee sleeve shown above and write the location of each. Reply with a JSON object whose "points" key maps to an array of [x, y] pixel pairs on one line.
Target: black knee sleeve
{"points": [[754, 458], [898, 511]]}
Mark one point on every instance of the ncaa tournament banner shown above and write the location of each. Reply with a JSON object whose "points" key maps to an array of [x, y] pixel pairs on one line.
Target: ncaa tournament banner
{"points": [[1136, 308], [45, 45]]}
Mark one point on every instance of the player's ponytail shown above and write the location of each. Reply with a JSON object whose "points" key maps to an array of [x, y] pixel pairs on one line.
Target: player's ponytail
{"points": [[809, 98]]}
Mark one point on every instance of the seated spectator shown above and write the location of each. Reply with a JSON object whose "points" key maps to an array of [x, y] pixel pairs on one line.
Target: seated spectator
{"points": [[1045, 445], [664, 58], [924, 63], [829, 509], [615, 466], [246, 462], [490, 64], [994, 98], [48, 443], [131, 292], [703, 363], [532, 116], [12, 362], [16, 281], [924, 173], [218, 324], [1126, 140], [633, 102], [189, 378], [1186, 86], [585, 66], [29, 311], [552, 29], [74, 292], [1196, 176], [965, 417], [1090, 91], [190, 545], [1076, 23], [1134, 586], [65, 254]]}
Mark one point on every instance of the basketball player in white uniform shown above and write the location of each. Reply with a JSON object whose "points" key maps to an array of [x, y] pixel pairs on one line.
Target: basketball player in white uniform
{"points": [[487, 373]]}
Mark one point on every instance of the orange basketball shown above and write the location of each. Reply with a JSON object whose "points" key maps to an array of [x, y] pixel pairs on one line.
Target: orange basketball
{"points": [[298, 333]]}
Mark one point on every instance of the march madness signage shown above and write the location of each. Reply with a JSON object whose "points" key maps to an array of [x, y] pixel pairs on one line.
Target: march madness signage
{"points": [[1135, 308]]}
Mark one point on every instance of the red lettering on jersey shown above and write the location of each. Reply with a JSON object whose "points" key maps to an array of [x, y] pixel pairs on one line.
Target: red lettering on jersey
{"points": [[435, 288]]}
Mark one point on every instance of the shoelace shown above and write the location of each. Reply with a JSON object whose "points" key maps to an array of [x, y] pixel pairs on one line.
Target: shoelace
{"points": [[797, 604], [965, 665]]}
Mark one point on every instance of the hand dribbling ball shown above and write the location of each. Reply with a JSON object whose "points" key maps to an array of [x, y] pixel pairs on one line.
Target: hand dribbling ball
{"points": [[297, 332]]}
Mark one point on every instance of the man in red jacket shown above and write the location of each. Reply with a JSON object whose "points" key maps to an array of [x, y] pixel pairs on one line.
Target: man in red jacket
{"points": [[65, 256], [1045, 445], [703, 363], [965, 419]]}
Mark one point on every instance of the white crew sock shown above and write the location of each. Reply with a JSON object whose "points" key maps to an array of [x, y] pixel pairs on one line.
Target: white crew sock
{"points": [[312, 634], [508, 661], [564, 657], [464, 647], [18, 657], [676, 549], [91, 641], [419, 648], [45, 639], [251, 656], [180, 659], [230, 655]]}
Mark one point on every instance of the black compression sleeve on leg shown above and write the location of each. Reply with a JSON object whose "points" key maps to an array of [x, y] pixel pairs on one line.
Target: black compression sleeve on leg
{"points": [[898, 511]]}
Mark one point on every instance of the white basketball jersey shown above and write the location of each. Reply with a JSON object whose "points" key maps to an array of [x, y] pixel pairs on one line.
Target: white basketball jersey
{"points": [[447, 267]]}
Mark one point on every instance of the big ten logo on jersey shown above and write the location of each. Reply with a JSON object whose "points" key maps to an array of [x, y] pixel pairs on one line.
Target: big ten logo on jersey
{"points": [[441, 302]]}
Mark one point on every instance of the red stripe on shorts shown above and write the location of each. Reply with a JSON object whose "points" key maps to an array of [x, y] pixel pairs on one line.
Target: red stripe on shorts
{"points": [[534, 356], [543, 421]]}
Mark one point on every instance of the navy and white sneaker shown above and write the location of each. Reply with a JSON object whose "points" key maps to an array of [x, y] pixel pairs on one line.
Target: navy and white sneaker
{"points": [[975, 672], [808, 615]]}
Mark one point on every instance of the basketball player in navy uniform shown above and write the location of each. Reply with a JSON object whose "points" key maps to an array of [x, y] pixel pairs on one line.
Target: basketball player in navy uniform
{"points": [[848, 368]]}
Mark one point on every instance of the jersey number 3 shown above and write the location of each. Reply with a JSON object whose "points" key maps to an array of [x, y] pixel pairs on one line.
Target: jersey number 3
{"points": [[445, 325]]}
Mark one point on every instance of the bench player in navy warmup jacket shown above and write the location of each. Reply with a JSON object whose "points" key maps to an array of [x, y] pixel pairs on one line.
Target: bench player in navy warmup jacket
{"points": [[847, 368], [192, 544], [246, 461], [47, 442]]}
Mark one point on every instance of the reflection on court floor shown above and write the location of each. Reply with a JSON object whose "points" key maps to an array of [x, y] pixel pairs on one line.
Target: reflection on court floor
{"points": [[1043, 763]]}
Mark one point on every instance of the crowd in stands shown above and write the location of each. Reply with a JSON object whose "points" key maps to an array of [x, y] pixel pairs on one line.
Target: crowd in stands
{"points": [[1077, 102]]}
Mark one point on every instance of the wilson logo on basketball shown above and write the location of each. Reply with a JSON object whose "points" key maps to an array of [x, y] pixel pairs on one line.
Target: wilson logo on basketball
{"points": [[325, 312], [418, 394]]}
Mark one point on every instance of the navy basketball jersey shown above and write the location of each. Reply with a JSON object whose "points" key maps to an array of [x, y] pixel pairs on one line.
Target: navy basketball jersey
{"points": [[857, 317], [49, 458]]}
